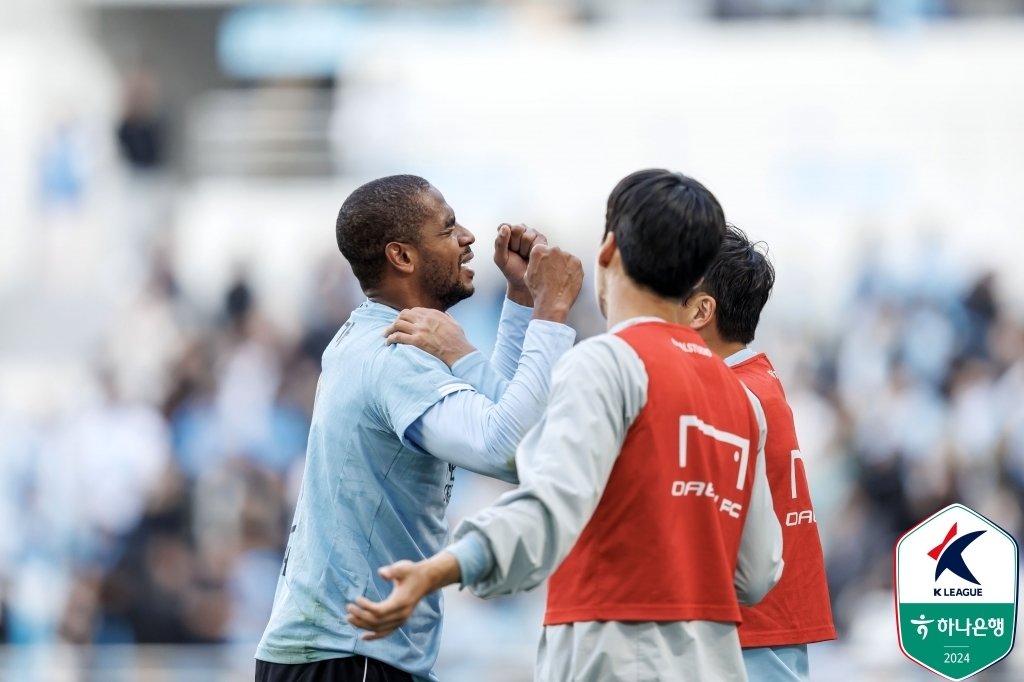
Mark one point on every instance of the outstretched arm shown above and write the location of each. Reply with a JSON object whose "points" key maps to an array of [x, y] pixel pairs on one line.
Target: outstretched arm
{"points": [[413, 581]]}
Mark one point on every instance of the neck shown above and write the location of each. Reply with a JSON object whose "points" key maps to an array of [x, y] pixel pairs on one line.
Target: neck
{"points": [[724, 349], [626, 300], [400, 299]]}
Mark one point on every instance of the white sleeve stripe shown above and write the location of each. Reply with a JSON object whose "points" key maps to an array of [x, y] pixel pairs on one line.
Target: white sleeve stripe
{"points": [[452, 388]]}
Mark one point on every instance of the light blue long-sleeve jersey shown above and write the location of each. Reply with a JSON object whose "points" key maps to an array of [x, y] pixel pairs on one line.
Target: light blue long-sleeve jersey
{"points": [[371, 494]]}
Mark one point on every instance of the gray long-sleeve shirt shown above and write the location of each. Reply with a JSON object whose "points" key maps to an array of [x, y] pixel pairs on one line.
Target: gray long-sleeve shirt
{"points": [[598, 389]]}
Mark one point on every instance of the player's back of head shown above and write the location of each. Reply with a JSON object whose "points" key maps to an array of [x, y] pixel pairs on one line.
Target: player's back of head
{"points": [[668, 227], [389, 209], [740, 279]]}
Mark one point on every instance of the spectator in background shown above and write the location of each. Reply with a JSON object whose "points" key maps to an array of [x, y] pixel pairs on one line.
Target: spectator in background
{"points": [[140, 130], [982, 313]]}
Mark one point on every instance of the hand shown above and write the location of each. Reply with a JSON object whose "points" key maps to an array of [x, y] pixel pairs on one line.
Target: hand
{"points": [[413, 581], [432, 331], [512, 248], [554, 278]]}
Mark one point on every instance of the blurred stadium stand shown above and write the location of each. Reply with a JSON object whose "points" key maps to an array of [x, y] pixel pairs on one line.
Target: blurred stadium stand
{"points": [[169, 175]]}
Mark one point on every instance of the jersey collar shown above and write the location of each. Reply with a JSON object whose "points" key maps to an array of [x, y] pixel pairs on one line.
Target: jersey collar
{"points": [[739, 356], [636, 320]]}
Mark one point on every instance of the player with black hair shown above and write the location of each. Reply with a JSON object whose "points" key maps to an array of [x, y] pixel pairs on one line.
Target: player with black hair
{"points": [[725, 309], [734, 291]]}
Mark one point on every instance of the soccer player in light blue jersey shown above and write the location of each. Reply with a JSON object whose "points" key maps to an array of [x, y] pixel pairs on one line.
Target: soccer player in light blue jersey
{"points": [[391, 423]]}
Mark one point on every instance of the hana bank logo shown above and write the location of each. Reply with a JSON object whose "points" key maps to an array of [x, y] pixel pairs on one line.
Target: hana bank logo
{"points": [[950, 555]]}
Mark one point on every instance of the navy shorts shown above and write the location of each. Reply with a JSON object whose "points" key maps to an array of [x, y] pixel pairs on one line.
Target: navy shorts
{"points": [[348, 669]]}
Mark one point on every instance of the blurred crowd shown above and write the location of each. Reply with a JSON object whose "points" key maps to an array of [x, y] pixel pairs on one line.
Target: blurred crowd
{"points": [[155, 511], [912, 403]]}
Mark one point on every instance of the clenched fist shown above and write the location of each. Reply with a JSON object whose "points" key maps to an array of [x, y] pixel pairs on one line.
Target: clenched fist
{"points": [[512, 247], [554, 278]]}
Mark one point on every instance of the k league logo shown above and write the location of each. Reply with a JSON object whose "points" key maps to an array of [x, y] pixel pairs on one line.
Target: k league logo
{"points": [[951, 558], [956, 579]]}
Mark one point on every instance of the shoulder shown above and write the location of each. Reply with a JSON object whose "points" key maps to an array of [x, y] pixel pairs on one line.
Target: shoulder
{"points": [[601, 352], [603, 367], [363, 362], [758, 374], [384, 362]]}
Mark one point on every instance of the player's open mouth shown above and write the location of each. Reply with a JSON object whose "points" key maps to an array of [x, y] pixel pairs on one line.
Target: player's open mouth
{"points": [[463, 263]]}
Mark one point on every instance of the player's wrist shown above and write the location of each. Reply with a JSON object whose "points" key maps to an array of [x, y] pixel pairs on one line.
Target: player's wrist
{"points": [[519, 293], [452, 355], [441, 570], [552, 311]]}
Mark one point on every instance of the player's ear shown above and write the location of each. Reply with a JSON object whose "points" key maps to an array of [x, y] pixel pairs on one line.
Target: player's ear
{"points": [[400, 256], [607, 250], [704, 311]]}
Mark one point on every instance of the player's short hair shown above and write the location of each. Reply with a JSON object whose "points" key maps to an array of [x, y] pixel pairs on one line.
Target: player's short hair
{"points": [[384, 210], [668, 227], [740, 279]]}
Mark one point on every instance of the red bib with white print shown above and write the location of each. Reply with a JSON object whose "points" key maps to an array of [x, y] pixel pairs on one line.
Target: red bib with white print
{"points": [[797, 610], [663, 542]]}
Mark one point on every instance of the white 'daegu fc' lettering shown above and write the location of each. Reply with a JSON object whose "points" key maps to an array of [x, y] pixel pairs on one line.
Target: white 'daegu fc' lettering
{"points": [[796, 518], [685, 488], [706, 489]]}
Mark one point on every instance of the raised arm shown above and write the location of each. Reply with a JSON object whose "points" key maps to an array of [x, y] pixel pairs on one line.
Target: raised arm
{"points": [[468, 429], [512, 247], [471, 430], [437, 333]]}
